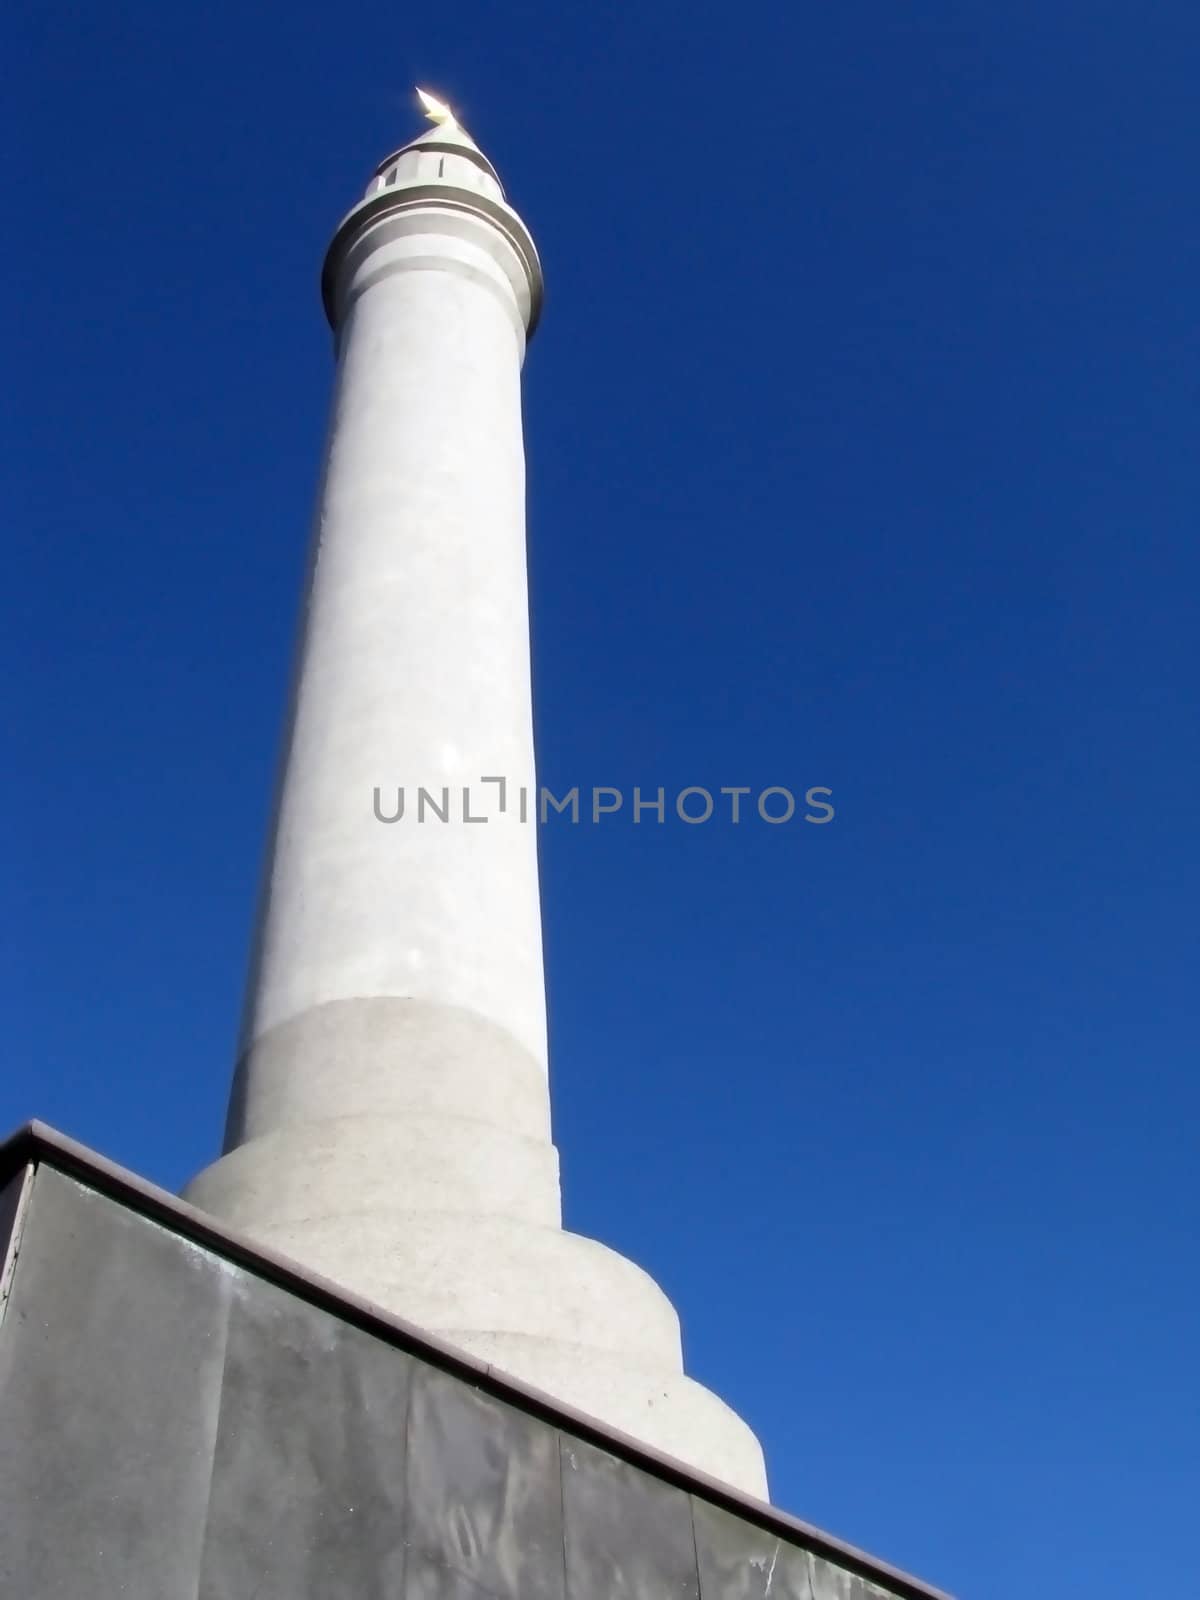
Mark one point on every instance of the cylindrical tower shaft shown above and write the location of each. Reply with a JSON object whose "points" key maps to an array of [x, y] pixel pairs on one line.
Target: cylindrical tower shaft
{"points": [[420, 940], [389, 1124]]}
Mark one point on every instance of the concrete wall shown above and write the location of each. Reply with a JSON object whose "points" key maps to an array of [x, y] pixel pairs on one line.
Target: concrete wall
{"points": [[180, 1420]]}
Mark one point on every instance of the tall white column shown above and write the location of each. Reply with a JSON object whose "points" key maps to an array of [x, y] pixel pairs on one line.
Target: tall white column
{"points": [[389, 1124]]}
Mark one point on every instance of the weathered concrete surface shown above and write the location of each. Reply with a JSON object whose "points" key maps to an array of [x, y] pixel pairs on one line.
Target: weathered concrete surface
{"points": [[182, 1418], [389, 1125]]}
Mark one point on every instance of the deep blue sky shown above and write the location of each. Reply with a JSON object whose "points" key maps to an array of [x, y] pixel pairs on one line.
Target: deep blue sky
{"points": [[862, 433]]}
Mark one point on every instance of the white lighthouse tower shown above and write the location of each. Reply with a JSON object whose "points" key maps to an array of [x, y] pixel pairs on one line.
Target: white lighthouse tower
{"points": [[389, 1125]]}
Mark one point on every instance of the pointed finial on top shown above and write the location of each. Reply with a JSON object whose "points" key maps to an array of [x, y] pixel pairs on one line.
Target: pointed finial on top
{"points": [[437, 110]]}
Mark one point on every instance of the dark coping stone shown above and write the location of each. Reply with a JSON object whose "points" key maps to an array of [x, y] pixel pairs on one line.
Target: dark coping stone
{"points": [[110, 1380], [307, 1495], [741, 1561], [484, 1496], [628, 1535]]}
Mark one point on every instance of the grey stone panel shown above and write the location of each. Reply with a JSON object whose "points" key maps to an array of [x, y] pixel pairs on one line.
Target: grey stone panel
{"points": [[741, 1561], [830, 1582], [110, 1377], [628, 1535], [484, 1496], [307, 1497]]}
